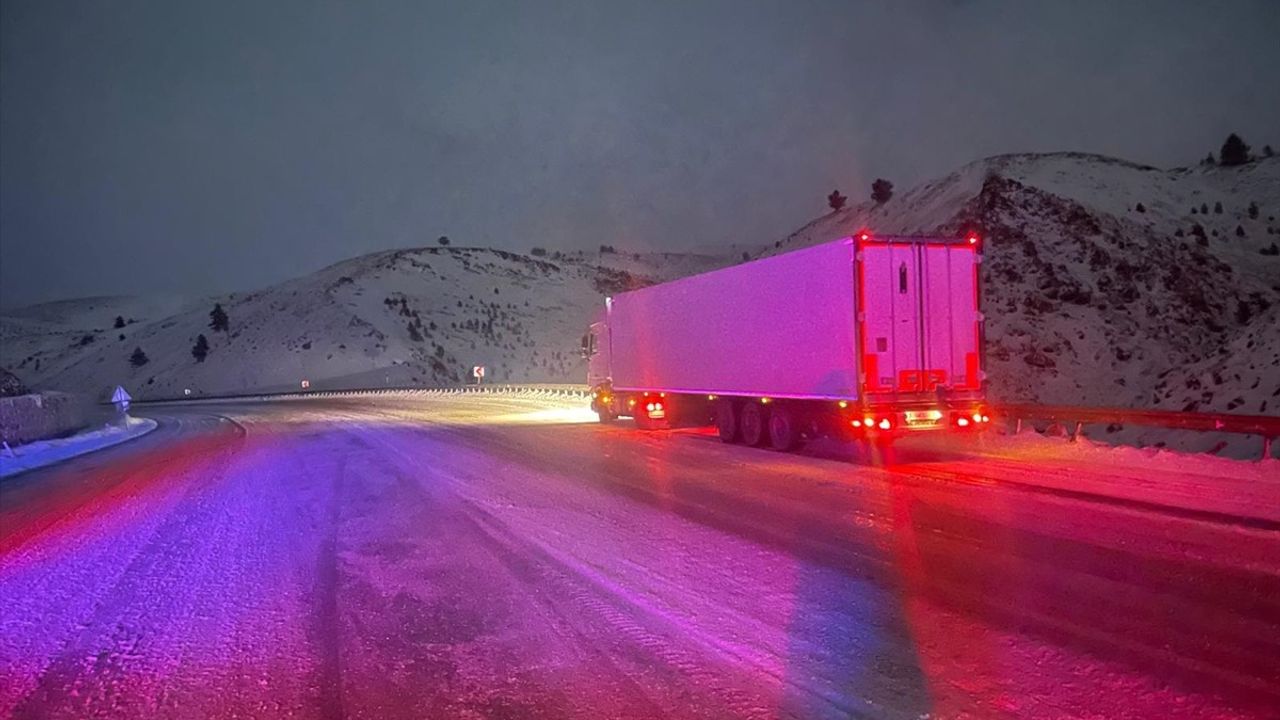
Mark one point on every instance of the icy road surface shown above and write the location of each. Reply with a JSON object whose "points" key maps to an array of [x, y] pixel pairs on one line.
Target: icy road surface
{"points": [[489, 557]]}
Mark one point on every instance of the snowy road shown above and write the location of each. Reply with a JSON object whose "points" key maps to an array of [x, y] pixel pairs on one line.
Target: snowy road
{"points": [[413, 556]]}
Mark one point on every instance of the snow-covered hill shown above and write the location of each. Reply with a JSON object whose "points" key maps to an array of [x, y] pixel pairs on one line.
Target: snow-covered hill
{"points": [[1109, 283], [420, 316]]}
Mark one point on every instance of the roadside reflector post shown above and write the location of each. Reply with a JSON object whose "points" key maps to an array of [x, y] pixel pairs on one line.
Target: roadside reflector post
{"points": [[1075, 434], [1266, 446], [1017, 426]]}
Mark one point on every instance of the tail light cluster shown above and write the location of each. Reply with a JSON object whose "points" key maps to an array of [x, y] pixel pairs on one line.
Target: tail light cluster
{"points": [[873, 422], [655, 406], [970, 420]]}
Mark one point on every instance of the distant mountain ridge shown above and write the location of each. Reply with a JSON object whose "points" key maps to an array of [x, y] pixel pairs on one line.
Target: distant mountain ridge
{"points": [[1106, 283]]}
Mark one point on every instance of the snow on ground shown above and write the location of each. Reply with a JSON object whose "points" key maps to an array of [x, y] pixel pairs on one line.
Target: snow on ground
{"points": [[43, 453]]}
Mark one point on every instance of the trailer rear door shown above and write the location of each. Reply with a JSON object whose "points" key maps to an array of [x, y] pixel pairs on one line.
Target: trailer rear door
{"points": [[920, 326]]}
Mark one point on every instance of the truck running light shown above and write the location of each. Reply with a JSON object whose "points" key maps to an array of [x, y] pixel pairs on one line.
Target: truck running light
{"points": [[885, 424], [864, 236], [986, 418], [869, 421], [856, 423], [973, 239]]}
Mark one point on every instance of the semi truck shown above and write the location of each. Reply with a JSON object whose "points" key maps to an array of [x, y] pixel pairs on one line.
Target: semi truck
{"points": [[868, 337]]}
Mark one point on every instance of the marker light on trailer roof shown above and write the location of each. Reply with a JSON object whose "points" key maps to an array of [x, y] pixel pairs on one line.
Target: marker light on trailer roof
{"points": [[864, 236], [973, 239]]}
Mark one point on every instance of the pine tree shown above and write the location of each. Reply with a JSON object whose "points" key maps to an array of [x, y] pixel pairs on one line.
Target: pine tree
{"points": [[443, 240], [1208, 160], [218, 318], [1267, 151], [138, 358], [201, 349], [836, 201], [1239, 231], [1217, 208], [1234, 151], [1204, 209], [881, 191], [1253, 210], [1140, 208], [119, 322]]}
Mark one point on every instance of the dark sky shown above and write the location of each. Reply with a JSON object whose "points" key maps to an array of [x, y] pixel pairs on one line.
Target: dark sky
{"points": [[193, 147]]}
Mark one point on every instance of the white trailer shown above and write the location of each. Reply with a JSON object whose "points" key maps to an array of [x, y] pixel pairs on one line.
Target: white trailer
{"points": [[867, 335]]}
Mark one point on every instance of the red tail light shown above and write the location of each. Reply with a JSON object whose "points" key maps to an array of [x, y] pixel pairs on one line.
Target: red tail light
{"points": [[654, 407]]}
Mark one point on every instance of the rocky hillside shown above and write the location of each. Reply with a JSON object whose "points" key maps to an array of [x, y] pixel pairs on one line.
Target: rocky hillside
{"points": [[420, 317], [1109, 283]]}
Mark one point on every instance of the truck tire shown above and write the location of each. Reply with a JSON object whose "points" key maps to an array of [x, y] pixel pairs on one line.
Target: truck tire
{"points": [[752, 424], [784, 430], [727, 421], [606, 416]]}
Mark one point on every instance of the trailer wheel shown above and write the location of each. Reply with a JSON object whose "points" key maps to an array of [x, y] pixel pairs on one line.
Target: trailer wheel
{"points": [[727, 421], [751, 424], [784, 434]]}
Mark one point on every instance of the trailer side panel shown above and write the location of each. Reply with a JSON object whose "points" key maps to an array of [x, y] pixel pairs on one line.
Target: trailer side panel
{"points": [[778, 327]]}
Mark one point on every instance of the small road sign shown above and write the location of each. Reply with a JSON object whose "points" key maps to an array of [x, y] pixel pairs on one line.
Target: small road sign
{"points": [[120, 398]]}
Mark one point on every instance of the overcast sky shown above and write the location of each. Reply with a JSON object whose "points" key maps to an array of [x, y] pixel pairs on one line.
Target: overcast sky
{"points": [[194, 147]]}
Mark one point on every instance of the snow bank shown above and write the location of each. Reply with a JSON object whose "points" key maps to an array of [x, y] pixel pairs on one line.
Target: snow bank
{"points": [[47, 452]]}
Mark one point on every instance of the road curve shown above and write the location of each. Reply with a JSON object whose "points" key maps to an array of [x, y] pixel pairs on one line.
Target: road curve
{"points": [[411, 556]]}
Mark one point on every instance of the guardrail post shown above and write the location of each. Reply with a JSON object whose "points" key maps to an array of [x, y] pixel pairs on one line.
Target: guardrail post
{"points": [[1017, 426], [1266, 446], [1075, 434]]}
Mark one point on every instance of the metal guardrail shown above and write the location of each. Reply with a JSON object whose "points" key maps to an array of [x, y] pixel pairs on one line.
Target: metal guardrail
{"points": [[1266, 426], [549, 390]]}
